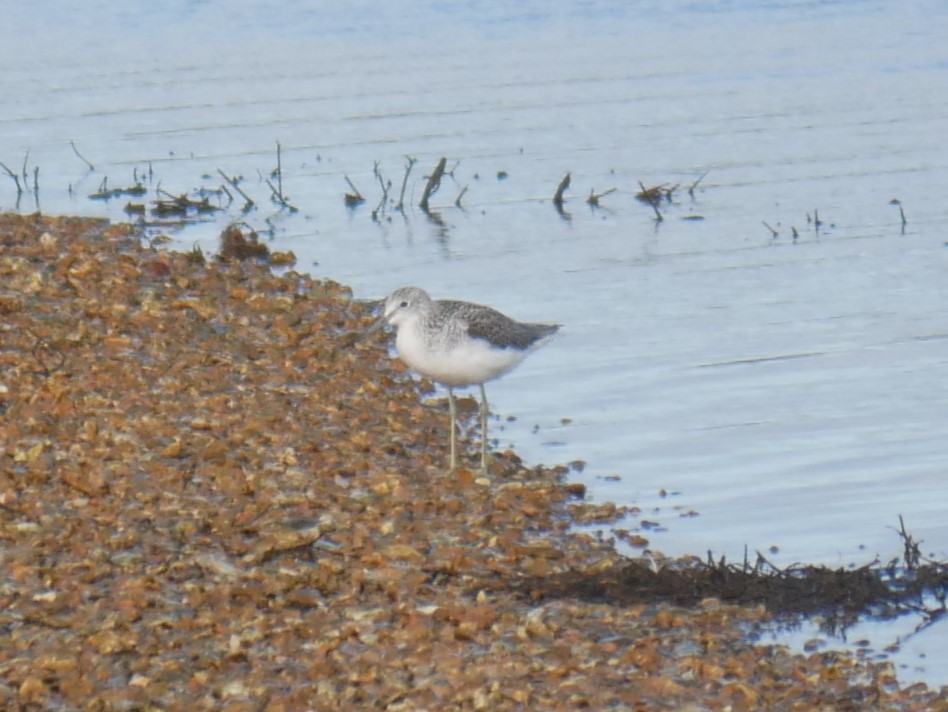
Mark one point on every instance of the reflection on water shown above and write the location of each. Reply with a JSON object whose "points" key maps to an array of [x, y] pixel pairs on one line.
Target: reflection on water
{"points": [[789, 387]]}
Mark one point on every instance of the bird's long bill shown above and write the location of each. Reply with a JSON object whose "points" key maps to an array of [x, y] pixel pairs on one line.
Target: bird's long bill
{"points": [[376, 326]]}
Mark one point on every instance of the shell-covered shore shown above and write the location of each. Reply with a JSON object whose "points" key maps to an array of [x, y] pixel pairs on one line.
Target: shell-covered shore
{"points": [[216, 495]]}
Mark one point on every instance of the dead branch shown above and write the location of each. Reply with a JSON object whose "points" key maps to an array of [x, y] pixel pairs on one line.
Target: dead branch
{"points": [[593, 198], [457, 201], [355, 197], [401, 195], [380, 208], [560, 189], [249, 204], [773, 233], [691, 188], [15, 177], [434, 182], [81, 157], [26, 176], [651, 196], [279, 173], [896, 201]]}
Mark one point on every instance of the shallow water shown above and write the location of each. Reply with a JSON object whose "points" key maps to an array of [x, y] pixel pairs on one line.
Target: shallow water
{"points": [[791, 392]]}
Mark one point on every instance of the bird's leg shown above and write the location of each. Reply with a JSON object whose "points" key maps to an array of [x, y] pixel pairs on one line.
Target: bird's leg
{"points": [[454, 420], [483, 428]]}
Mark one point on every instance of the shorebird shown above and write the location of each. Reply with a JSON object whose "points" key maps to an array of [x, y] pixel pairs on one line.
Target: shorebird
{"points": [[459, 344]]}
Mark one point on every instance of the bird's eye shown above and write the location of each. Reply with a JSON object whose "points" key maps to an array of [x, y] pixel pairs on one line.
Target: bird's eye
{"points": [[404, 304]]}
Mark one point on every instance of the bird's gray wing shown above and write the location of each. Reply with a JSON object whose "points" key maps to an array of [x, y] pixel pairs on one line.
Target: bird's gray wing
{"points": [[499, 329]]}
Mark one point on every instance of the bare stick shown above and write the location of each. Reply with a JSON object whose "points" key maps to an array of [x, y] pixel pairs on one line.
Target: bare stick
{"points": [[36, 186], [773, 233], [593, 198], [15, 177], [81, 157], [457, 201], [560, 189], [355, 190], [691, 188], [651, 201], [26, 176], [280, 174], [355, 197], [434, 182], [277, 197], [896, 201], [276, 193], [401, 195], [233, 184], [380, 208]]}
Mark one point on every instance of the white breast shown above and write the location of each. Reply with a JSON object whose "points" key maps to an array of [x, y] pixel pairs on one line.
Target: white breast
{"points": [[463, 363]]}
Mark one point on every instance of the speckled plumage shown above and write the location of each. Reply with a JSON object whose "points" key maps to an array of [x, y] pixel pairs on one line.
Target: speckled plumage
{"points": [[459, 344]]}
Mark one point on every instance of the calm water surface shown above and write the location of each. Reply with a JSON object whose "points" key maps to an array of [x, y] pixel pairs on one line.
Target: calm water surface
{"points": [[791, 392]]}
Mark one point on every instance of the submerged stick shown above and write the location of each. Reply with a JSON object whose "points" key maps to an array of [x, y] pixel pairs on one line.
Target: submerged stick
{"points": [[279, 173], [691, 188], [355, 197], [560, 189], [896, 201], [647, 193], [15, 177], [380, 208], [773, 233], [593, 198], [401, 195], [233, 184], [81, 157], [434, 182]]}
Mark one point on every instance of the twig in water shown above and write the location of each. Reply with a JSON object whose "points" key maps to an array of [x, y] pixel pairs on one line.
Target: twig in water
{"points": [[593, 198], [380, 208], [401, 195], [649, 195], [36, 186], [773, 233], [249, 205], [279, 172], [276, 197], [560, 189], [16, 179], [434, 182], [912, 551], [355, 197], [276, 193], [896, 201], [691, 188], [457, 201], [81, 157]]}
